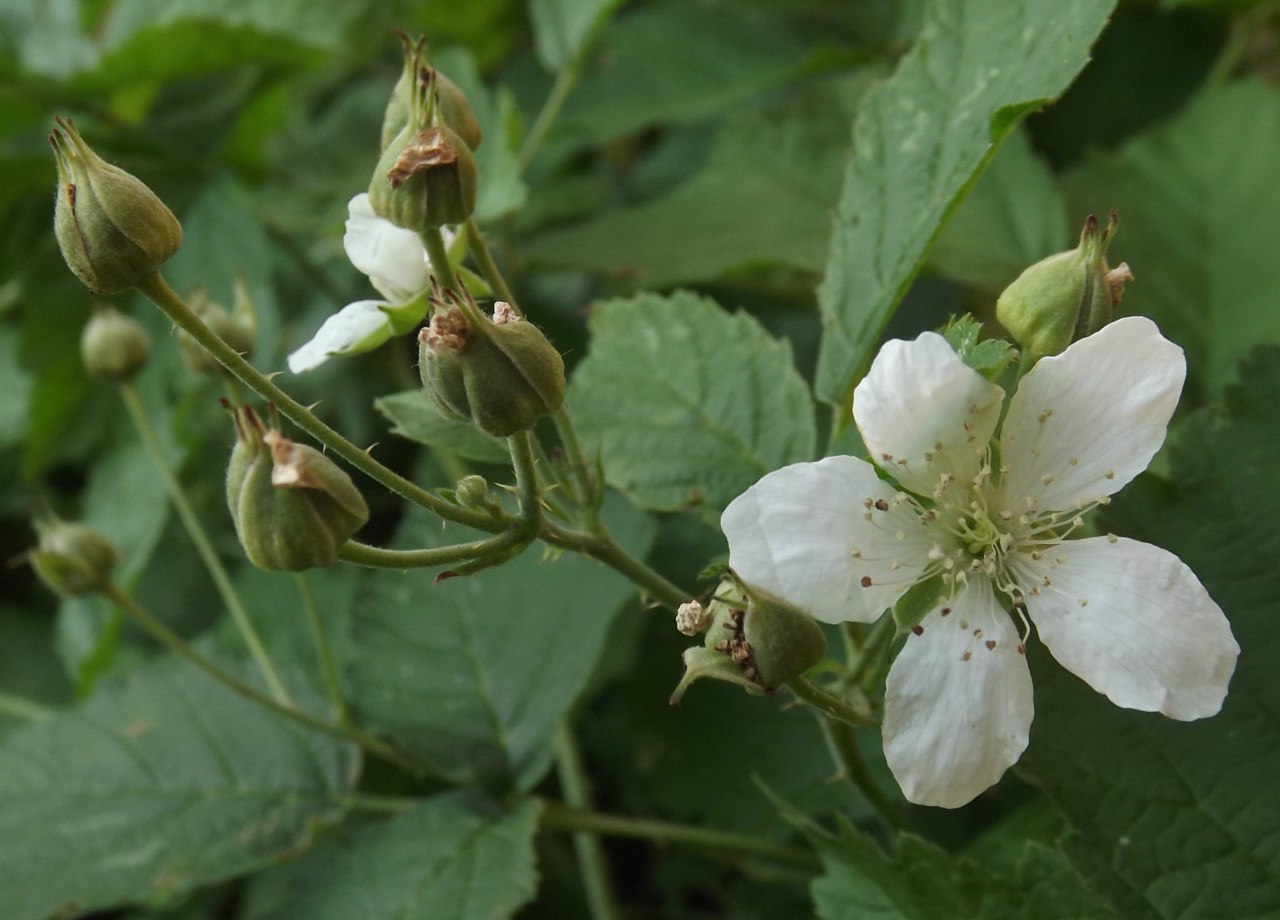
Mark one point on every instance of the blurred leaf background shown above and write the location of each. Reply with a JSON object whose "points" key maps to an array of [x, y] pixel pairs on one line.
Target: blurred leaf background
{"points": [[700, 158]]}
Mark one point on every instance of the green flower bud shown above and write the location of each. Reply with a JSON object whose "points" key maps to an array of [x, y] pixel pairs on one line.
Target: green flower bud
{"points": [[238, 328], [112, 229], [455, 110], [114, 346], [425, 180], [500, 374], [472, 492], [292, 506], [1066, 296], [753, 639], [71, 558]]}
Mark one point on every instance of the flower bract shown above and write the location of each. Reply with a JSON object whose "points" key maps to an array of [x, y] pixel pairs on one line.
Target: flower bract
{"points": [[987, 520]]}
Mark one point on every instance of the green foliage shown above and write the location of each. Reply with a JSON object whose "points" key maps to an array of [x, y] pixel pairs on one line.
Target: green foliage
{"points": [[1178, 820], [454, 856], [414, 415], [156, 785], [563, 28], [712, 403], [988, 357], [920, 141]]}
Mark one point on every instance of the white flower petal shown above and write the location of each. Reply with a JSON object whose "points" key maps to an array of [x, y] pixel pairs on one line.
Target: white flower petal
{"points": [[919, 395], [394, 258], [357, 327], [1084, 423], [1149, 636], [958, 702], [802, 533]]}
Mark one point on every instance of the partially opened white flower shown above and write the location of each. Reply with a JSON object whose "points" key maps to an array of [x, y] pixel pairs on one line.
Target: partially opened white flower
{"points": [[986, 521], [397, 264]]}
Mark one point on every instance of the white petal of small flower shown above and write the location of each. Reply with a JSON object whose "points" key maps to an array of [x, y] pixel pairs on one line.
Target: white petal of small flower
{"points": [[394, 258], [357, 327], [958, 702], [1084, 423], [919, 395], [802, 533], [1147, 635]]}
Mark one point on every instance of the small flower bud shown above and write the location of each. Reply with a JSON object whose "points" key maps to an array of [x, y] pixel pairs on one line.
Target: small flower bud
{"points": [[425, 180], [472, 492], [501, 374], [72, 559], [238, 328], [112, 229], [1066, 296], [293, 507], [114, 346], [754, 639], [455, 110]]}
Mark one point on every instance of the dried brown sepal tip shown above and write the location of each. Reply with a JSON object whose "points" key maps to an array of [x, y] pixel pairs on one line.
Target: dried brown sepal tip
{"points": [[113, 231], [417, 77], [753, 639], [72, 559], [292, 506]]}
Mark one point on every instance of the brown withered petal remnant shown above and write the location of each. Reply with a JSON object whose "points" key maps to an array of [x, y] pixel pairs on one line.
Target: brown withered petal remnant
{"points": [[428, 150]]}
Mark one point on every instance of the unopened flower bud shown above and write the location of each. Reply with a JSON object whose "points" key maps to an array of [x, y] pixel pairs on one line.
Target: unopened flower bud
{"points": [[71, 558], [292, 506], [1064, 297], [472, 492], [500, 374], [753, 639], [238, 328], [112, 229], [425, 180], [455, 110], [114, 346]]}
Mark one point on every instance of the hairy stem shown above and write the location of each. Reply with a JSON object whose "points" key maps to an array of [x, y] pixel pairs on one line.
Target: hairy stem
{"points": [[488, 267], [602, 547], [441, 267], [324, 654], [378, 558], [596, 882], [844, 747], [827, 704], [200, 537]]}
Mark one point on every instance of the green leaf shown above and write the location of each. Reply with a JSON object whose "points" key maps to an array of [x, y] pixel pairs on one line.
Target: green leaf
{"points": [[1013, 218], [562, 27], [157, 785], [989, 357], [1179, 819], [454, 856], [413, 415], [471, 675], [687, 404], [764, 196], [639, 74], [1199, 206], [922, 882], [921, 139]]}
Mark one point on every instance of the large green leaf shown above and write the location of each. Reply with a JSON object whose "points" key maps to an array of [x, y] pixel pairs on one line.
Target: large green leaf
{"points": [[1199, 206], [764, 195], [471, 675], [688, 404], [561, 28], [920, 140], [414, 416], [1181, 819], [157, 785], [454, 856]]}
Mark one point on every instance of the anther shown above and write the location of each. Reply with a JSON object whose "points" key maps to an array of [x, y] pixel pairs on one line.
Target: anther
{"points": [[882, 505], [966, 656], [866, 581], [990, 644], [945, 611], [918, 629]]}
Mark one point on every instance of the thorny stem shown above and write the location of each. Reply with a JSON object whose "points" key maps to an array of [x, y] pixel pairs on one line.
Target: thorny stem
{"points": [[441, 266], [827, 704], [844, 747], [559, 817], [527, 489], [601, 546], [596, 884], [191, 521], [378, 558], [488, 267], [176, 644], [156, 288], [328, 667]]}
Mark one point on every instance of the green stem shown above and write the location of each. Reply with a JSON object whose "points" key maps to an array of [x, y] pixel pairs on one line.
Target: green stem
{"points": [[527, 491], [844, 747], [558, 817], [582, 474], [601, 546], [178, 646], [488, 267], [441, 267], [550, 109], [375, 557], [328, 667], [182, 316], [873, 650], [592, 864], [221, 580], [22, 708], [829, 705]]}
